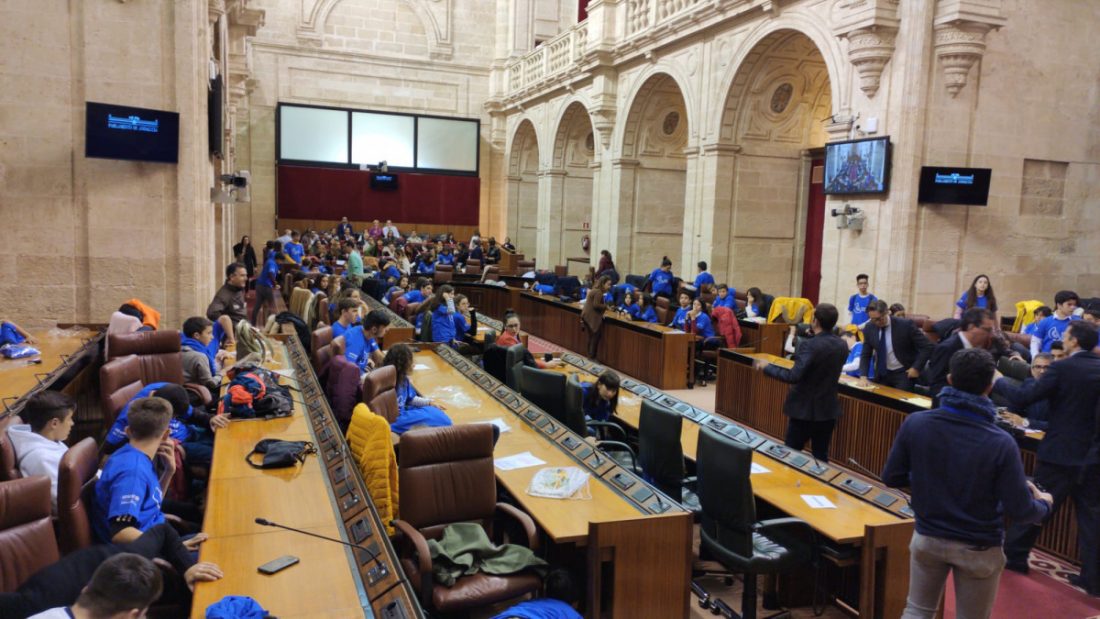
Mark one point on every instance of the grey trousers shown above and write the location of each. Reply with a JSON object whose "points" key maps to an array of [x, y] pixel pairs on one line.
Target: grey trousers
{"points": [[977, 573]]}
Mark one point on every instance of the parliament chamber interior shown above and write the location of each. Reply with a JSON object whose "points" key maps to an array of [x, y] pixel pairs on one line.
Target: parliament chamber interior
{"points": [[550, 309]]}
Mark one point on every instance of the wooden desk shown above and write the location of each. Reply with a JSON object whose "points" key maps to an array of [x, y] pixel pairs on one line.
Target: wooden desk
{"points": [[325, 495], [489, 299], [637, 541], [867, 515], [865, 431], [767, 337], [400, 330]]}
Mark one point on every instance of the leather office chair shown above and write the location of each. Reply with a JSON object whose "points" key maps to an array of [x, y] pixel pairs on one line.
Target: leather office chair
{"points": [[661, 456], [446, 476], [319, 338], [320, 352], [342, 389], [662, 308], [410, 311], [443, 273], [524, 266], [380, 393], [76, 471], [27, 542], [513, 361], [9, 470], [138, 359], [546, 390], [399, 305], [491, 273], [611, 438], [493, 359], [473, 266], [730, 532]]}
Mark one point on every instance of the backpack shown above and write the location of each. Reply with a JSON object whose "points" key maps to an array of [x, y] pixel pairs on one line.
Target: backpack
{"points": [[255, 392]]}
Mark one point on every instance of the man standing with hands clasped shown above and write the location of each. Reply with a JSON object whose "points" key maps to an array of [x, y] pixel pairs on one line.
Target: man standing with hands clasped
{"points": [[966, 476], [898, 346], [812, 405]]}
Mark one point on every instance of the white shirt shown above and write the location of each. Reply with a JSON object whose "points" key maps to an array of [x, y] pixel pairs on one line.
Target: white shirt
{"points": [[966, 342], [61, 612], [391, 231], [37, 455], [892, 363], [284, 239]]}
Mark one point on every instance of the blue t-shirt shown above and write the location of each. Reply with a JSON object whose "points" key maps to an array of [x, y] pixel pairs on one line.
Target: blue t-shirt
{"points": [[702, 279], [678, 319], [648, 314], [461, 326], [295, 251], [445, 259], [128, 486], [662, 282], [982, 302], [443, 325], [178, 428], [1050, 330], [339, 329], [703, 326], [728, 301], [631, 310], [8, 334], [857, 307], [425, 267], [270, 274], [358, 347], [414, 296], [1031, 329], [544, 608], [853, 355], [601, 411], [390, 271]]}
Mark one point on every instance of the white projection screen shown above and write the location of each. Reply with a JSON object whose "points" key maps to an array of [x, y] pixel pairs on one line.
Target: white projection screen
{"points": [[444, 144], [313, 134], [383, 137]]}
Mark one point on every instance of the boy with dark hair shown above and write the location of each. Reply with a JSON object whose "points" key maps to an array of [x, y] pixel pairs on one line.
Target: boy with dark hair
{"points": [[1040, 313], [125, 585], [1051, 328], [39, 444], [422, 291], [294, 249], [129, 492], [725, 297], [348, 315], [360, 344], [857, 303], [200, 354], [703, 278]]}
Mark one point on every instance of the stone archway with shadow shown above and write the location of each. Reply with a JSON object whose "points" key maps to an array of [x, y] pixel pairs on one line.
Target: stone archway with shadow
{"points": [[570, 181], [523, 188]]}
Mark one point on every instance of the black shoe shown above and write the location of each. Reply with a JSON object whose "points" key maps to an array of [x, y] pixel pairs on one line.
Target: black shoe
{"points": [[1020, 568], [1079, 582]]}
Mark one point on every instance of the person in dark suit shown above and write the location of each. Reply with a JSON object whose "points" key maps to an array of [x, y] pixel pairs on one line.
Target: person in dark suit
{"points": [[898, 346], [975, 330], [812, 405], [1068, 459]]}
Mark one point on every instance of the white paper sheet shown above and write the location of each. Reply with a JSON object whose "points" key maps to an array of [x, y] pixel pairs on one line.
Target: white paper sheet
{"points": [[817, 501], [518, 461], [420, 366], [499, 423], [756, 468]]}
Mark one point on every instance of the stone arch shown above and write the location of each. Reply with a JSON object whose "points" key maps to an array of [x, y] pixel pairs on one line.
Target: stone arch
{"points": [[652, 174], [778, 100], [524, 163], [569, 183], [315, 15]]}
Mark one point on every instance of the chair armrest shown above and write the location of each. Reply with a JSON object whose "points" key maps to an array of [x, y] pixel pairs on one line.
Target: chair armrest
{"points": [[614, 429], [690, 482], [201, 391], [620, 446], [423, 558], [796, 526], [524, 521]]}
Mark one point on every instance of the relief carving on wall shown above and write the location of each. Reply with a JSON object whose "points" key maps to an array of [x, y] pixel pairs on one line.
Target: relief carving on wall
{"points": [[959, 32], [870, 26], [435, 15]]}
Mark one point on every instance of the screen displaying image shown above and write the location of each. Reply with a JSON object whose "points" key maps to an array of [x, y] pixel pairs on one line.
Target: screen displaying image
{"points": [[860, 166], [134, 133], [954, 186]]}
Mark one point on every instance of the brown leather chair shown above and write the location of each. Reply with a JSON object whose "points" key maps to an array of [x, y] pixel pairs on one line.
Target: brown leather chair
{"points": [[662, 308], [410, 311], [443, 273], [75, 473], [27, 542], [9, 470], [446, 476], [380, 392], [138, 359], [318, 339], [491, 274], [473, 267], [524, 266]]}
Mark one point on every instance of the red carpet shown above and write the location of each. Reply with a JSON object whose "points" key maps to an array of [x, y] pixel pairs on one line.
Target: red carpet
{"points": [[538, 346], [1032, 596]]}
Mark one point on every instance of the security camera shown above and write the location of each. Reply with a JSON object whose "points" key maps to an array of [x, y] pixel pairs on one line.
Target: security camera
{"points": [[383, 166]]}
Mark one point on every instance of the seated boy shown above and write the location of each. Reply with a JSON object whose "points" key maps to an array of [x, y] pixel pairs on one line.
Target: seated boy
{"points": [[40, 443], [186, 424], [129, 492], [201, 357]]}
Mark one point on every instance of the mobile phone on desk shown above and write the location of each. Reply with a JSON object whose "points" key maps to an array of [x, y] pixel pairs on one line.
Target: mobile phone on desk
{"points": [[278, 565], [548, 357]]}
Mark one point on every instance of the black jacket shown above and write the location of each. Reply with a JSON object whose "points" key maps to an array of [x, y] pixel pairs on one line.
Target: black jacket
{"points": [[911, 347], [818, 362], [939, 363], [1072, 388]]}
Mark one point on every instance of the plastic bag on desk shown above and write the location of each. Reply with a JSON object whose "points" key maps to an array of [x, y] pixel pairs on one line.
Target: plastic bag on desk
{"points": [[18, 351], [560, 482], [454, 396]]}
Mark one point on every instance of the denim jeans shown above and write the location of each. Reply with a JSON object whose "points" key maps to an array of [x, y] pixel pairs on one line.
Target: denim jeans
{"points": [[977, 573]]}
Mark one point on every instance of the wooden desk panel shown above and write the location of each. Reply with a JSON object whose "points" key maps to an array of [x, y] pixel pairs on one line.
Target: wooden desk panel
{"points": [[488, 299], [20, 377], [763, 337], [400, 330]]}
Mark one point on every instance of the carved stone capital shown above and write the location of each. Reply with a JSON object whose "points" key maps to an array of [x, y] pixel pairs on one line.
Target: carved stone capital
{"points": [[603, 123], [959, 45], [869, 49], [839, 130]]}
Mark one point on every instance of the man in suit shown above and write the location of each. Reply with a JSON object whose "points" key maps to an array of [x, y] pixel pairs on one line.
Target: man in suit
{"points": [[975, 331], [1068, 460], [812, 405], [899, 348]]}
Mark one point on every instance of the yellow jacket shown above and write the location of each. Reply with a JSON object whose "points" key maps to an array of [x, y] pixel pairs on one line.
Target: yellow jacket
{"points": [[792, 309], [369, 439], [1025, 314]]}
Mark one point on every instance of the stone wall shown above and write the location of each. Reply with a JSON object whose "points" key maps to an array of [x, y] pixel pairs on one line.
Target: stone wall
{"points": [[83, 235]]}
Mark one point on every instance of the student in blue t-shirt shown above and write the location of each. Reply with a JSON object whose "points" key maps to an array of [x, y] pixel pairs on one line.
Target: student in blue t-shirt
{"points": [[661, 279], [294, 249], [178, 426], [422, 292], [425, 263], [726, 298], [600, 400], [443, 310], [629, 307], [1038, 315], [1051, 328], [267, 282], [980, 294], [11, 333], [129, 492], [855, 349], [446, 256], [857, 303], [348, 316], [682, 312], [703, 278], [360, 342], [646, 311], [698, 320], [389, 271]]}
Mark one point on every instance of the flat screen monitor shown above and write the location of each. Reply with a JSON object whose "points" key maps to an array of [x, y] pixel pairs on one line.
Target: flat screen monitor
{"points": [[134, 133], [968, 186], [858, 166], [383, 181]]}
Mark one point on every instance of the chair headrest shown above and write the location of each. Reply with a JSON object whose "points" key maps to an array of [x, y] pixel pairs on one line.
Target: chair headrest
{"points": [[143, 343], [379, 380], [26, 500], [449, 444]]}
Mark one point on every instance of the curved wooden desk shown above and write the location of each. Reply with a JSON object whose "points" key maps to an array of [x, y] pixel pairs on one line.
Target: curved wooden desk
{"points": [[61, 357]]}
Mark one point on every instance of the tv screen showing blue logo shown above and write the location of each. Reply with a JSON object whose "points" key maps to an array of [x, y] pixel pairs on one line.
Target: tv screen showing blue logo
{"points": [[137, 134], [969, 186]]}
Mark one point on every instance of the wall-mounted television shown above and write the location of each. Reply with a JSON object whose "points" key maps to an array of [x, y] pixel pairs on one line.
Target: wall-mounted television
{"points": [[968, 186], [134, 133], [383, 181], [858, 166]]}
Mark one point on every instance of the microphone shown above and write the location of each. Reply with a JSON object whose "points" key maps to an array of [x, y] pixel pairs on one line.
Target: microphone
{"points": [[373, 575], [862, 469]]}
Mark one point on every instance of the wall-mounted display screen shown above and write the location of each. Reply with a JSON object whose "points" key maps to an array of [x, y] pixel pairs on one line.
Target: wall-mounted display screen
{"points": [[383, 137], [954, 186], [445, 144], [139, 134], [858, 166], [313, 134]]}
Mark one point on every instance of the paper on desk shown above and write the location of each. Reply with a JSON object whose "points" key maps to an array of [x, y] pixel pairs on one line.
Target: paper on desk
{"points": [[817, 501], [756, 468], [919, 401], [286, 373], [499, 423], [869, 387], [420, 366], [518, 461]]}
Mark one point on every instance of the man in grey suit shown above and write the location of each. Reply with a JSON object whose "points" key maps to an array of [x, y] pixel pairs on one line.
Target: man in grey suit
{"points": [[812, 405]]}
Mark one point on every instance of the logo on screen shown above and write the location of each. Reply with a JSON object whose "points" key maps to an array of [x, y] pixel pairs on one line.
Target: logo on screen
{"points": [[132, 123]]}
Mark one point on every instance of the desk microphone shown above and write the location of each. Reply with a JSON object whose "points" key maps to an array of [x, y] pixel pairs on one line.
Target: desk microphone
{"points": [[862, 469], [383, 571]]}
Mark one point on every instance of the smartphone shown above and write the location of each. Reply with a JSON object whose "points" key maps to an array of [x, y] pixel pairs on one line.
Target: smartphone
{"points": [[548, 357], [278, 565]]}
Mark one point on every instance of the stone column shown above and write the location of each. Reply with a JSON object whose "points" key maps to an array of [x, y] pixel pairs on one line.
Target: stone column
{"points": [[692, 249], [620, 213], [717, 164], [548, 250]]}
